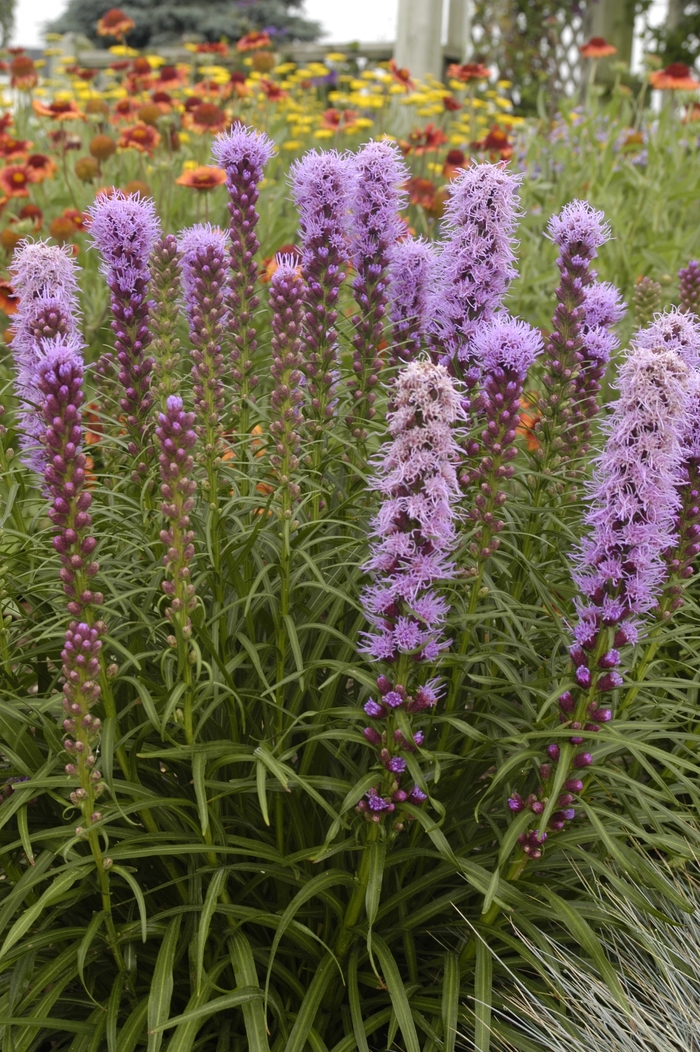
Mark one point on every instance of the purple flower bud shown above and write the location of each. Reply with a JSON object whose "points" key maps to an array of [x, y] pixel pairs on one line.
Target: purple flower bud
{"points": [[582, 759], [374, 709], [393, 699], [417, 796], [566, 702], [397, 765], [372, 736], [583, 676], [610, 681], [611, 659], [516, 803], [553, 752]]}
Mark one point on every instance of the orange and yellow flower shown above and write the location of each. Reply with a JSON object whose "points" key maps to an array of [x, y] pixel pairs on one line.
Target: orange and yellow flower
{"points": [[204, 177], [252, 41], [58, 110], [597, 47], [40, 166], [114, 23], [14, 149], [206, 117], [468, 71], [676, 77], [15, 180], [23, 74], [141, 137]]}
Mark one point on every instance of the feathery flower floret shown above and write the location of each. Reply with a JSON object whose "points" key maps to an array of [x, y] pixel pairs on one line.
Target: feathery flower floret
{"points": [[243, 150], [508, 344], [580, 228], [124, 227], [410, 278], [676, 331], [602, 304], [40, 269], [414, 530], [475, 264], [197, 244]]}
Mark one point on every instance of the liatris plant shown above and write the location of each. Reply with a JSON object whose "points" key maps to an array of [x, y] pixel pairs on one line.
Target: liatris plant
{"points": [[287, 397], [578, 232], [204, 252], [619, 569], [646, 299], [320, 184], [602, 309], [475, 262], [164, 311], [376, 197], [410, 273], [689, 287], [124, 228], [243, 154]]}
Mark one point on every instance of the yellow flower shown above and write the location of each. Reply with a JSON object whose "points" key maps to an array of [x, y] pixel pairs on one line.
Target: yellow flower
{"points": [[291, 144], [323, 133], [285, 67], [51, 51], [504, 84], [429, 111], [155, 61], [122, 49], [434, 168], [345, 78], [304, 74], [505, 104], [53, 38], [190, 165], [364, 122], [335, 56], [184, 136], [396, 89], [457, 140]]}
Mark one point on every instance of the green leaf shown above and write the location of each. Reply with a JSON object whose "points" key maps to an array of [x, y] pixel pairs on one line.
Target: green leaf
{"points": [[23, 828], [198, 771], [246, 975], [86, 942], [113, 1004], [138, 894], [450, 1000], [216, 886], [358, 1026], [309, 1008], [199, 1009], [131, 1033], [162, 983], [483, 978], [397, 993], [260, 779], [66, 879]]}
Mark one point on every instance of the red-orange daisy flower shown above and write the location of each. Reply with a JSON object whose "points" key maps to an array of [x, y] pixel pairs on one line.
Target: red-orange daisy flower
{"points": [[58, 110], [528, 419], [237, 83], [124, 110], [676, 77], [468, 71], [421, 192], [23, 74], [211, 89], [401, 76], [9, 300], [40, 166], [33, 213], [163, 101], [424, 140], [212, 48], [172, 77], [141, 137], [496, 143], [206, 117], [15, 180], [455, 162], [12, 149], [252, 41], [336, 120], [451, 104], [273, 91], [114, 23], [597, 47], [205, 177]]}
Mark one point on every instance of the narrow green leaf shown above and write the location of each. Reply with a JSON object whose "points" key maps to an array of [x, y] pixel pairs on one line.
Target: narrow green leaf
{"points": [[450, 1001], [358, 1025], [376, 850], [65, 880], [162, 983], [274, 766], [310, 1006], [138, 894], [200, 1011], [246, 975], [483, 976], [132, 1031], [146, 700], [260, 779], [397, 993], [198, 771], [23, 827], [107, 738], [216, 886], [112, 1019], [86, 942]]}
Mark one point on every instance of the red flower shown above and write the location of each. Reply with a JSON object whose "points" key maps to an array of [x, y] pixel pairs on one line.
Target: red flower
{"points": [[253, 41], [676, 77], [455, 162], [40, 166], [141, 137], [424, 140], [15, 180], [9, 300], [205, 117], [13, 149], [23, 74], [468, 71], [273, 91], [401, 76], [212, 49], [495, 143], [59, 110], [337, 121], [206, 177], [114, 24], [597, 47], [451, 104], [421, 192]]}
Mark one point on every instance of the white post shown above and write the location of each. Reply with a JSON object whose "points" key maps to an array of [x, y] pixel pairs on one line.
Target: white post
{"points": [[459, 30], [418, 37]]}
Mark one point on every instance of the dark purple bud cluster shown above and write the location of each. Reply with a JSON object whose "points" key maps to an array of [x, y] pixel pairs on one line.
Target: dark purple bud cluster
{"points": [[689, 287], [243, 153], [392, 747], [80, 659], [176, 439], [286, 399], [681, 558], [164, 312]]}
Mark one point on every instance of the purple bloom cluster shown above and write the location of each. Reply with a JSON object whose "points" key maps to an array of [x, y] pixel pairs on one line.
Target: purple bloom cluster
{"points": [[163, 315], [620, 568], [243, 153], [204, 251], [578, 232], [415, 529], [475, 263], [176, 439], [673, 331], [602, 309], [80, 659], [410, 276], [320, 184], [125, 229], [504, 350], [286, 300], [689, 287], [378, 175]]}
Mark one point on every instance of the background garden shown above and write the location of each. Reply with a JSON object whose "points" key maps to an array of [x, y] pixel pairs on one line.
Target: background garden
{"points": [[349, 514]]}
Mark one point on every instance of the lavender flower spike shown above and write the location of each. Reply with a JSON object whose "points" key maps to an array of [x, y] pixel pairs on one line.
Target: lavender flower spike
{"points": [[475, 264], [376, 197], [414, 535], [243, 153], [163, 315], [40, 269], [689, 287], [620, 568], [287, 396], [125, 228], [602, 309], [674, 330], [204, 251], [320, 190], [410, 274], [578, 231]]}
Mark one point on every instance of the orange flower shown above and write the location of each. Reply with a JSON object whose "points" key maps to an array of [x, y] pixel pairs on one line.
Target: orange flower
{"points": [[454, 163], [528, 420], [23, 74], [252, 41], [77, 218], [9, 300], [114, 24], [206, 177], [137, 186], [597, 47], [62, 229], [140, 137], [676, 77], [496, 143], [421, 192], [337, 121], [10, 238], [468, 71], [163, 101], [424, 140], [33, 213], [270, 264], [102, 147], [207, 89], [172, 76], [14, 180], [206, 117], [237, 83], [93, 426], [124, 110], [40, 166], [451, 104], [692, 113], [401, 76], [272, 91], [208, 48], [59, 110], [12, 149]]}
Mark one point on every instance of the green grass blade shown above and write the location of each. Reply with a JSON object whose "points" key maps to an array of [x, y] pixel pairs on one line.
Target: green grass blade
{"points": [[161, 991], [216, 886], [397, 993], [450, 1001], [483, 979]]}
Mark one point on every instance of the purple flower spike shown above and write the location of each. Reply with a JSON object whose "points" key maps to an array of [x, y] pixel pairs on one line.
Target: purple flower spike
{"points": [[673, 331], [602, 309], [243, 153], [376, 198], [410, 276], [475, 262], [414, 529], [286, 300], [125, 228], [163, 316], [204, 253], [40, 269], [320, 185], [689, 290], [176, 439]]}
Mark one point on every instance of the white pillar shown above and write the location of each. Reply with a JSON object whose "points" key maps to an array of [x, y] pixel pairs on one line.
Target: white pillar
{"points": [[418, 37], [459, 30]]}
